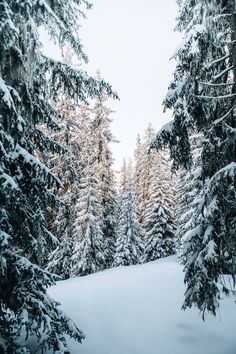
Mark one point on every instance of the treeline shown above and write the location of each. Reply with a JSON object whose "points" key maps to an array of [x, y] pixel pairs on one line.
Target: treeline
{"points": [[60, 208], [98, 223]]}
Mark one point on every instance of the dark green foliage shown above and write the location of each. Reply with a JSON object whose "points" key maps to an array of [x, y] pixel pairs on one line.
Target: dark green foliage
{"points": [[203, 98], [28, 83]]}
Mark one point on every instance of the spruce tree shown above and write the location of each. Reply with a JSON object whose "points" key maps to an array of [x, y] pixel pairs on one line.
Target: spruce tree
{"points": [[102, 138], [146, 161], [123, 178], [90, 251], [60, 260], [138, 152], [202, 95], [189, 196], [69, 166], [29, 82], [128, 236], [159, 228]]}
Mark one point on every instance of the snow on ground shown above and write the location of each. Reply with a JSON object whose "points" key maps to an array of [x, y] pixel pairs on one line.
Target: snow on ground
{"points": [[136, 310]]}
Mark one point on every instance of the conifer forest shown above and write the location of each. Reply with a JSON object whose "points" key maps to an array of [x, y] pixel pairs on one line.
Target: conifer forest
{"points": [[107, 255]]}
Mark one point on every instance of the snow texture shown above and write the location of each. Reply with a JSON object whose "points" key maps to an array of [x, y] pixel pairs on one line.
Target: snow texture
{"points": [[137, 310]]}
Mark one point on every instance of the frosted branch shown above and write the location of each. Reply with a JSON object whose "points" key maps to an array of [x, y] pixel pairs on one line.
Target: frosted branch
{"points": [[216, 97], [224, 116], [223, 72], [216, 85], [218, 60]]}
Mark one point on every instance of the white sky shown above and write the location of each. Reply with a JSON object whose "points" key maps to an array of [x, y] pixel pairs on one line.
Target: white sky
{"points": [[131, 42]]}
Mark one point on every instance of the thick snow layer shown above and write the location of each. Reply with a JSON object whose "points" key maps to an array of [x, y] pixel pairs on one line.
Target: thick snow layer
{"points": [[136, 310]]}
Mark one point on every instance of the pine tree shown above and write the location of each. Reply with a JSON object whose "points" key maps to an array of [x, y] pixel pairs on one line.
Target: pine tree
{"points": [[60, 261], [202, 96], [90, 251], [29, 82], [159, 228], [189, 196], [123, 180], [102, 138], [128, 238], [74, 128], [146, 161], [138, 152]]}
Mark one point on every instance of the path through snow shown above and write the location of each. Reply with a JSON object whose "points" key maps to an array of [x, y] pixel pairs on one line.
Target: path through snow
{"points": [[136, 310]]}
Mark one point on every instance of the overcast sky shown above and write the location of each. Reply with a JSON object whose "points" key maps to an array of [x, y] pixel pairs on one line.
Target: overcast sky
{"points": [[131, 42]]}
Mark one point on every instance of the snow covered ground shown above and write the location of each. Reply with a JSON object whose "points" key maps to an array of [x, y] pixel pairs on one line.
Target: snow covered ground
{"points": [[136, 310]]}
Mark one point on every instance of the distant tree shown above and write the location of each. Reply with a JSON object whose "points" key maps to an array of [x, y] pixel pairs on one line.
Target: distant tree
{"points": [[145, 162], [60, 260], [29, 81], [90, 251], [74, 129], [103, 162], [159, 228], [138, 152], [128, 237], [123, 180]]}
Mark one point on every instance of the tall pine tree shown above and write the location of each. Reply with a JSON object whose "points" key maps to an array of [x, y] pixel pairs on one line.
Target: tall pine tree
{"points": [[128, 233], [143, 164], [189, 196], [102, 138], [202, 95], [29, 80], [90, 250], [159, 228], [74, 128]]}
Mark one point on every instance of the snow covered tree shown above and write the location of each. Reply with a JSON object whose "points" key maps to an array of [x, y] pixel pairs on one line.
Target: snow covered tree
{"points": [[90, 250], [189, 196], [159, 228], [128, 233], [29, 81], [60, 260], [123, 180], [144, 161], [202, 95], [102, 138], [138, 170], [74, 126]]}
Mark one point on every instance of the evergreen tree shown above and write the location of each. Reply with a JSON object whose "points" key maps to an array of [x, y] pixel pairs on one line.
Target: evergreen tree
{"points": [[128, 238], [159, 228], [138, 152], [60, 260], [189, 196], [102, 138], [74, 128], [146, 161], [202, 96], [29, 80], [90, 250], [123, 180]]}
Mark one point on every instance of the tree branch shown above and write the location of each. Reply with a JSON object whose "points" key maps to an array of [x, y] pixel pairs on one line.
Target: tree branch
{"points": [[223, 72], [224, 116], [218, 60], [215, 85], [216, 97]]}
